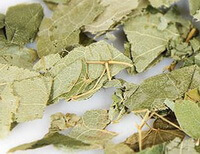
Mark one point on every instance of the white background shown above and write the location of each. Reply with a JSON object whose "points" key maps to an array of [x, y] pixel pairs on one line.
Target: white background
{"points": [[34, 130]]}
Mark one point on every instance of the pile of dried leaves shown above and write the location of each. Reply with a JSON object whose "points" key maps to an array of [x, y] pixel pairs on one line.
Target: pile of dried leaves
{"points": [[72, 66]]}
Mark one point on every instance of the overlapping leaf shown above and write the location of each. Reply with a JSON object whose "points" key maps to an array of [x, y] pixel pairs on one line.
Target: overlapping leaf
{"points": [[61, 32], [160, 133], [22, 23], [160, 3], [148, 40], [82, 72], [88, 133], [153, 91], [178, 146], [24, 95], [188, 115], [16, 55], [114, 12]]}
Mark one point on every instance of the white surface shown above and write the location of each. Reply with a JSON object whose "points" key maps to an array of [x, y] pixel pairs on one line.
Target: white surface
{"points": [[34, 130]]}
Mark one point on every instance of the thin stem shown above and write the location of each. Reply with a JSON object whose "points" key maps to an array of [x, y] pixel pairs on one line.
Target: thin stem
{"points": [[191, 34], [108, 71], [96, 62], [109, 62], [119, 63], [91, 90], [167, 121]]}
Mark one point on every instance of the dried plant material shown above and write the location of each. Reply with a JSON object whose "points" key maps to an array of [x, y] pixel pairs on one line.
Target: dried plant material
{"points": [[60, 121], [82, 72], [188, 115], [61, 32], [161, 3], [154, 40], [23, 93], [184, 147], [88, 133], [120, 148], [118, 108], [115, 11], [194, 5], [22, 23], [8, 104], [2, 20], [153, 91], [160, 133], [16, 55]]}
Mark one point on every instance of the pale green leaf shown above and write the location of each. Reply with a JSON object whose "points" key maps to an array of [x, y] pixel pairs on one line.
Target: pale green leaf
{"points": [[147, 41], [115, 10], [153, 91], [62, 30], [157, 149], [22, 22], [186, 146], [194, 5], [120, 148], [8, 108], [61, 121], [27, 97], [16, 55], [159, 3], [76, 78], [188, 116], [88, 132]]}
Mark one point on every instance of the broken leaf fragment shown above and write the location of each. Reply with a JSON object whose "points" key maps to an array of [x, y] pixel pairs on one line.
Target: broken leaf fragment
{"points": [[188, 115], [145, 27], [61, 32], [161, 3], [17, 56], [88, 133], [19, 82], [82, 72], [152, 93], [114, 12], [22, 22], [184, 147]]}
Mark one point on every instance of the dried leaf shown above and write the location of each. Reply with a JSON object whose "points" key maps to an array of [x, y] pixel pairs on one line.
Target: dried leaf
{"points": [[60, 121], [61, 32], [22, 22], [82, 72], [16, 55], [188, 115], [120, 148], [153, 91], [194, 5], [115, 11], [118, 108], [55, 139], [159, 3], [2, 20], [184, 147], [160, 133], [146, 27], [88, 133], [8, 104], [26, 97]]}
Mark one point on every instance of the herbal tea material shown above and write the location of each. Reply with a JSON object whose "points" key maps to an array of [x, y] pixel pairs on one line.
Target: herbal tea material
{"points": [[22, 23], [70, 63], [87, 132]]}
